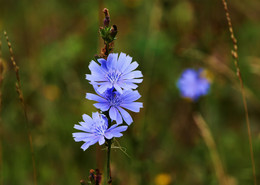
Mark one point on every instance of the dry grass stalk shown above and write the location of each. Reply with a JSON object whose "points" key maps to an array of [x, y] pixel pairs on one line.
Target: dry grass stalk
{"points": [[208, 138], [21, 98], [235, 59], [1, 130]]}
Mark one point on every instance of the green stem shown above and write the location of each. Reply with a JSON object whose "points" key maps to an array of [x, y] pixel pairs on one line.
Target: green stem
{"points": [[108, 162], [109, 142], [107, 48]]}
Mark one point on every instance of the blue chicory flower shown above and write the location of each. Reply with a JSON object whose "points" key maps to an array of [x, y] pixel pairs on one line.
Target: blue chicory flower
{"points": [[95, 130], [192, 84], [115, 72], [115, 102]]}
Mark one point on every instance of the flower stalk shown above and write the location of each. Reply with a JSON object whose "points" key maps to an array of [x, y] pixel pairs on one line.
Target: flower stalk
{"points": [[109, 177], [105, 34], [113, 77], [109, 143]]}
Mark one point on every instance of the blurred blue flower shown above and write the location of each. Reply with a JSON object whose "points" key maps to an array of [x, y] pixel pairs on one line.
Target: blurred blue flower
{"points": [[114, 101], [95, 130], [192, 84], [117, 72]]}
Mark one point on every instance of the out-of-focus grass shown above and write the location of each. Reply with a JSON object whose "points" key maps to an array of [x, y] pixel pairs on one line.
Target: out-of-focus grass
{"points": [[54, 41]]}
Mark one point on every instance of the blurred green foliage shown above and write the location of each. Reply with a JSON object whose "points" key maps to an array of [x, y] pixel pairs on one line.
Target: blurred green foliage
{"points": [[54, 41]]}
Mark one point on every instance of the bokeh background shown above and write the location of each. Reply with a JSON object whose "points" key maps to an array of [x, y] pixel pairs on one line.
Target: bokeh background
{"points": [[54, 41]]}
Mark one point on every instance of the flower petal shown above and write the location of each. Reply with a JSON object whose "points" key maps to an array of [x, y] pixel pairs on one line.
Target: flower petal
{"points": [[85, 146], [104, 86], [112, 60], [95, 68], [91, 142], [102, 106], [95, 116], [78, 127], [121, 61], [134, 80], [82, 136], [103, 63], [130, 96], [117, 87], [118, 129], [131, 67], [115, 132], [95, 77], [134, 106], [94, 97], [112, 113], [125, 62], [126, 116], [119, 119], [128, 85], [133, 74], [101, 140]]}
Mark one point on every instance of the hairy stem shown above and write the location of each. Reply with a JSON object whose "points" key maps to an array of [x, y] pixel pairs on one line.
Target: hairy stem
{"points": [[235, 58]]}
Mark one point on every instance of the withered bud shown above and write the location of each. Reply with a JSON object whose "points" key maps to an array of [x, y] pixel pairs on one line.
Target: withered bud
{"points": [[106, 12], [91, 175], [107, 17], [113, 31]]}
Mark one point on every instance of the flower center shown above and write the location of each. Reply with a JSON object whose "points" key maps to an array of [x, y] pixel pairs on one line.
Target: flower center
{"points": [[113, 98], [101, 127], [100, 130], [113, 76], [115, 101]]}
